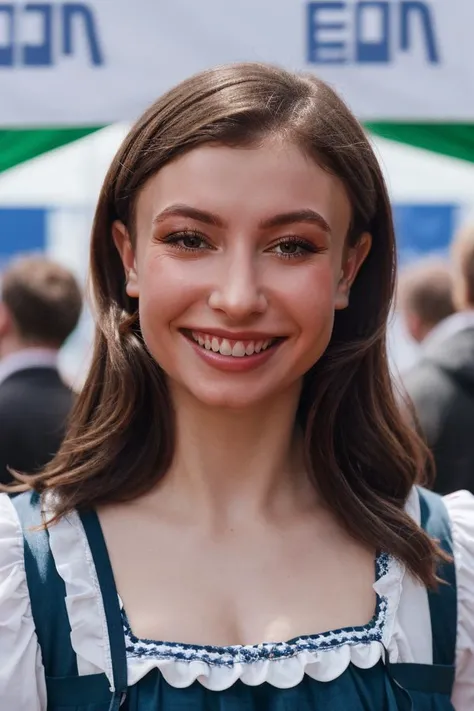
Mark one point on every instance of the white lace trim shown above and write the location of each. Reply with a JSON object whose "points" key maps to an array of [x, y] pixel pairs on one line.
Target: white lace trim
{"points": [[323, 657], [73, 558], [281, 673]]}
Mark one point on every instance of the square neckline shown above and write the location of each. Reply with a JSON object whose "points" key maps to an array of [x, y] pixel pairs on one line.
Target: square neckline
{"points": [[228, 655]]}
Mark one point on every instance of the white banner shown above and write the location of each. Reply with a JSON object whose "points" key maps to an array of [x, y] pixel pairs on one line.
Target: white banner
{"points": [[100, 61]]}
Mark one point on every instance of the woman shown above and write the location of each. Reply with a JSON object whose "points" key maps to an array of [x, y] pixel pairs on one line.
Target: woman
{"points": [[236, 466]]}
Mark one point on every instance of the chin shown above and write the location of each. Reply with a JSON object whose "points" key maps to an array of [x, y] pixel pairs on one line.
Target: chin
{"points": [[231, 396], [232, 401]]}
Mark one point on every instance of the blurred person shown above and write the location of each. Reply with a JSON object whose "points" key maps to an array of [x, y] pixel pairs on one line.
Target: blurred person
{"points": [[232, 520], [441, 384], [40, 307], [425, 297]]}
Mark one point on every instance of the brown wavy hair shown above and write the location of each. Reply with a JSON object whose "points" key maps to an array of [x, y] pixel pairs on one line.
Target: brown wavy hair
{"points": [[360, 452]]}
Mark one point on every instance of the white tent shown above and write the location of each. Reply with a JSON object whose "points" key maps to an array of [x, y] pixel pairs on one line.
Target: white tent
{"points": [[404, 66]]}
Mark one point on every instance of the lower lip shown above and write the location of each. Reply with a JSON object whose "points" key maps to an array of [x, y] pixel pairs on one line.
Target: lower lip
{"points": [[231, 363]]}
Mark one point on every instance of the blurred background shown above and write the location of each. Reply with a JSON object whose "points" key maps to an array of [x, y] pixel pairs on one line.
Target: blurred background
{"points": [[69, 69]]}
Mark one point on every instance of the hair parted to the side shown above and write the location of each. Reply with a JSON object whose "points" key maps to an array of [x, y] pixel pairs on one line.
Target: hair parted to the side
{"points": [[362, 456]]}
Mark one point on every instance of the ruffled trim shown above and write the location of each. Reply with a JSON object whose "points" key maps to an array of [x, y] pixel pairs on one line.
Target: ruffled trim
{"points": [[12, 564], [392, 586], [22, 682], [74, 563], [460, 506], [15, 607], [323, 657], [281, 673]]}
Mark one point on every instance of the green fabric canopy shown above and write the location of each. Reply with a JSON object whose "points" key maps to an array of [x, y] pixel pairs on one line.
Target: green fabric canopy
{"points": [[456, 140], [20, 145], [451, 139]]}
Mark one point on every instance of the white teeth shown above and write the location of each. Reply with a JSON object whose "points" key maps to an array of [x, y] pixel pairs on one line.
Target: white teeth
{"points": [[225, 348], [238, 351]]}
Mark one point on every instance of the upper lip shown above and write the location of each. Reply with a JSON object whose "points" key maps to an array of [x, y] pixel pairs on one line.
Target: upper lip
{"points": [[234, 335]]}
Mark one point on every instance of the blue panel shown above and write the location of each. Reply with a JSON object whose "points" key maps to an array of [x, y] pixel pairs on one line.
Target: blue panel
{"points": [[423, 229], [22, 230], [320, 50], [373, 51]]}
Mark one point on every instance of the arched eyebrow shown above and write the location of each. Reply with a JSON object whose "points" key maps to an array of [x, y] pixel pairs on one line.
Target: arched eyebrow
{"points": [[305, 215], [187, 211], [290, 218]]}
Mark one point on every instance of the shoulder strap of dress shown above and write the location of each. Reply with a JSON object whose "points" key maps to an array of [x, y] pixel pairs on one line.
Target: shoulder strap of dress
{"points": [[46, 589], [110, 599], [443, 601]]}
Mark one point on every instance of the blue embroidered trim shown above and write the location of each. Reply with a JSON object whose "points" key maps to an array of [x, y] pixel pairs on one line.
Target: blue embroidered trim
{"points": [[245, 654]]}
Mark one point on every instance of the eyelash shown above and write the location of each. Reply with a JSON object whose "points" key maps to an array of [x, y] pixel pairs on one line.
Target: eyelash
{"points": [[176, 237]]}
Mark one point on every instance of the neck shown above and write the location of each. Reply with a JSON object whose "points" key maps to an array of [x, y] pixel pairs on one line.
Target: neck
{"points": [[230, 465], [10, 345]]}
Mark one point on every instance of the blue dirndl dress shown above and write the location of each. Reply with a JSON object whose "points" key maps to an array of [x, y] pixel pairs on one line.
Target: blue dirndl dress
{"points": [[382, 687]]}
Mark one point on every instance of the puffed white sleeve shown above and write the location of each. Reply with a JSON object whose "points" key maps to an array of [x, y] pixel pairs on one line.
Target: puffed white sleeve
{"points": [[22, 681], [461, 511]]}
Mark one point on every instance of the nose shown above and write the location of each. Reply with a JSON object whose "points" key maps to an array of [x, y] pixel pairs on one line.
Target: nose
{"points": [[237, 291]]}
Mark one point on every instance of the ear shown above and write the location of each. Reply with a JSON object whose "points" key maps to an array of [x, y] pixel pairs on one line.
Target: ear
{"points": [[5, 320], [416, 329], [353, 259], [127, 255], [460, 293]]}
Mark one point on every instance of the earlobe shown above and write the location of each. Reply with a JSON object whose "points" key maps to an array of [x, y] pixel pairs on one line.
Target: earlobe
{"points": [[342, 295], [131, 286], [124, 247], [354, 258]]}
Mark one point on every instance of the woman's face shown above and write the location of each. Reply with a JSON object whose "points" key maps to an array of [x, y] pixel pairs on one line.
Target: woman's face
{"points": [[240, 262]]}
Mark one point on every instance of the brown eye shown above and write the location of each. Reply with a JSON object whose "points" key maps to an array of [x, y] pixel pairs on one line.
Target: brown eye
{"points": [[187, 241], [292, 248], [191, 241]]}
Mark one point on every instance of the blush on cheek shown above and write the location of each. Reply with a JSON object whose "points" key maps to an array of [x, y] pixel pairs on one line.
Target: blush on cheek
{"points": [[161, 304], [314, 296]]}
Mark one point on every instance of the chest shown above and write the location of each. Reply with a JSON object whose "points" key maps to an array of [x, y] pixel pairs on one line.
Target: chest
{"points": [[245, 586]]}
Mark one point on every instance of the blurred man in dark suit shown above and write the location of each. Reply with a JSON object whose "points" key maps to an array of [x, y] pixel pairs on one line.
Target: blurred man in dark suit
{"points": [[441, 385], [40, 306]]}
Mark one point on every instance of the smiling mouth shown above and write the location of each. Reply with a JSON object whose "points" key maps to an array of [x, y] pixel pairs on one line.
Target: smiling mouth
{"points": [[231, 347]]}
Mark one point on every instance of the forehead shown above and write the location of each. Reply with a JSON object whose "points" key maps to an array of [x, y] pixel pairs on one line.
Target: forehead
{"points": [[246, 185]]}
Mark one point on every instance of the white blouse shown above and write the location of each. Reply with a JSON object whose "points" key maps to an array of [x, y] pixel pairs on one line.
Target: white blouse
{"points": [[401, 624]]}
